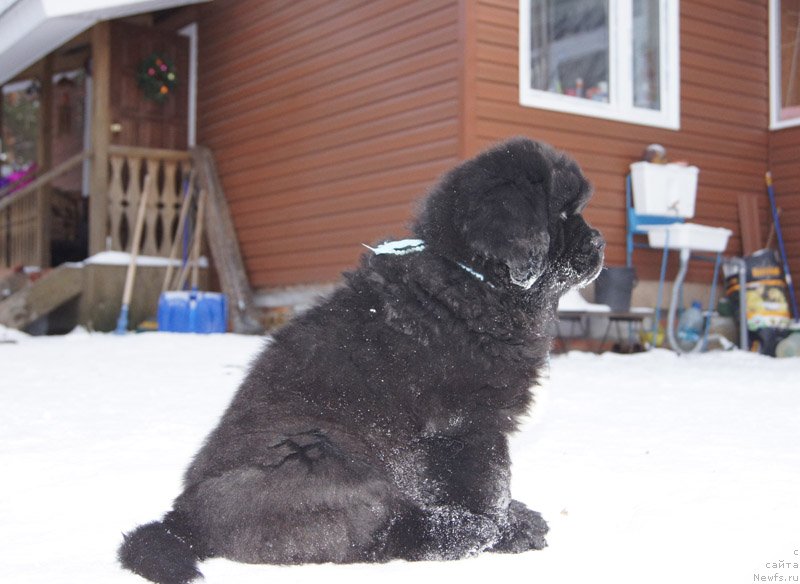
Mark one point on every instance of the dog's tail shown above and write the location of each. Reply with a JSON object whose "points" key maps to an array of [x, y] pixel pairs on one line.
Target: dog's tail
{"points": [[163, 551]]}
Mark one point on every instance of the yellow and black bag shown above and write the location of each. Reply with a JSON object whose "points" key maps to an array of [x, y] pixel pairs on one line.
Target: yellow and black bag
{"points": [[768, 314]]}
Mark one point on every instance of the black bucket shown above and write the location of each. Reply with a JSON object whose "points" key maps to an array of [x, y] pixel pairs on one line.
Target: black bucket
{"points": [[614, 287]]}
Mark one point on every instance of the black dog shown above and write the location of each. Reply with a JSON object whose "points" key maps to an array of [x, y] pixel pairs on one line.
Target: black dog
{"points": [[375, 425]]}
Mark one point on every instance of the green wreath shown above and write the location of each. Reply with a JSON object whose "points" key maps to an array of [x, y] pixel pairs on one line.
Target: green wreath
{"points": [[157, 77]]}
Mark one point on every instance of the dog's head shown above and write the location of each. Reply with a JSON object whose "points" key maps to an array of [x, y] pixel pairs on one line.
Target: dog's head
{"points": [[513, 213]]}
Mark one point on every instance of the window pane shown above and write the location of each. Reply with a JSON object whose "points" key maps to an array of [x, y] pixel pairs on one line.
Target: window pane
{"points": [[569, 47], [646, 55], [790, 58]]}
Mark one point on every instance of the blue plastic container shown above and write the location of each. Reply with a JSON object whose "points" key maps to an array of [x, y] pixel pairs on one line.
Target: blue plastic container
{"points": [[193, 312]]}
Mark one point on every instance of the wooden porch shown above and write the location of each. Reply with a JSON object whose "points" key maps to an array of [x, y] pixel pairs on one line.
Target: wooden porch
{"points": [[131, 137], [173, 176]]}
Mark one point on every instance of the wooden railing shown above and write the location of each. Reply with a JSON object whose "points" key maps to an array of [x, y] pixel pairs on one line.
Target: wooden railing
{"points": [[129, 165], [24, 214], [19, 233]]}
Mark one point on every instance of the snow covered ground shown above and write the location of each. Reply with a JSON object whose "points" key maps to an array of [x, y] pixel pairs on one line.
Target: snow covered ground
{"points": [[649, 468]]}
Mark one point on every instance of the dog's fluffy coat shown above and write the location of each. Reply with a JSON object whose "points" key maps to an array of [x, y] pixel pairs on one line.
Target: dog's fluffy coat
{"points": [[375, 425]]}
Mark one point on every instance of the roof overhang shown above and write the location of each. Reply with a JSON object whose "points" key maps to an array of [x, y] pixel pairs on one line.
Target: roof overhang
{"points": [[30, 29]]}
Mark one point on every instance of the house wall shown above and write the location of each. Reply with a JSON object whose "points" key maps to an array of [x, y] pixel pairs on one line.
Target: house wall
{"points": [[724, 117], [327, 120], [784, 159]]}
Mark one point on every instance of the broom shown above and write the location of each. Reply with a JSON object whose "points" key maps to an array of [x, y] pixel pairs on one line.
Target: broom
{"points": [[122, 321], [781, 248]]}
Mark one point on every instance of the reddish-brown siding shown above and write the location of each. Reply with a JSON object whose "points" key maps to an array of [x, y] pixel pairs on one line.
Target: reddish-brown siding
{"points": [[784, 154], [327, 120], [723, 116]]}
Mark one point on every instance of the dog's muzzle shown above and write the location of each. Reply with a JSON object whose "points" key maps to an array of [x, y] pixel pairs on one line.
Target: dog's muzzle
{"points": [[596, 241]]}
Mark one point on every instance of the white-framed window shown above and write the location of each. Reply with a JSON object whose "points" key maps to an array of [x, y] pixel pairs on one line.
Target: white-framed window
{"points": [[784, 63], [613, 59]]}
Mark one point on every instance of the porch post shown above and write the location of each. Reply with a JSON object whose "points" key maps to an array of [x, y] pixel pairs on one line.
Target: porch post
{"points": [[100, 124], [44, 158]]}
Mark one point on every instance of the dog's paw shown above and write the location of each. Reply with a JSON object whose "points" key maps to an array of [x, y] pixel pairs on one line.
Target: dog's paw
{"points": [[525, 531], [457, 533]]}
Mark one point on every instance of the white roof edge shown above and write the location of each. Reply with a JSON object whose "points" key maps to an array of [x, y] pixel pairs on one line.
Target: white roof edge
{"points": [[6, 4], [105, 9], [30, 29]]}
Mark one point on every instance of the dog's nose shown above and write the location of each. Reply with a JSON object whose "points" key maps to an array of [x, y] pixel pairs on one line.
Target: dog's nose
{"points": [[597, 241]]}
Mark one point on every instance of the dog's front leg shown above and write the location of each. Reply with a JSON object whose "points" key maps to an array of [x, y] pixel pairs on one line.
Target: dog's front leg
{"points": [[471, 471], [457, 500], [461, 504], [474, 474]]}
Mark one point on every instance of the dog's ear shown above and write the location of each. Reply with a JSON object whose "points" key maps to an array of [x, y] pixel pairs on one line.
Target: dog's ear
{"points": [[569, 189], [508, 225]]}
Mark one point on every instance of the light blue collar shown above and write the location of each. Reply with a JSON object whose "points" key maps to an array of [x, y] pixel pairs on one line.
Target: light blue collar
{"points": [[402, 247], [407, 246], [472, 272]]}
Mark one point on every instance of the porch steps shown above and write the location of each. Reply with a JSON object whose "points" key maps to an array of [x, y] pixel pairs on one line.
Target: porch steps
{"points": [[39, 297]]}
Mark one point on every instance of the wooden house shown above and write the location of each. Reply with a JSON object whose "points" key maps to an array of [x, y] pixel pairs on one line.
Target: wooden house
{"points": [[328, 120]]}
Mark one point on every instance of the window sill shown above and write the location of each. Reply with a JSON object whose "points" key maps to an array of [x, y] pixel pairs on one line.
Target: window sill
{"points": [[791, 122], [585, 107]]}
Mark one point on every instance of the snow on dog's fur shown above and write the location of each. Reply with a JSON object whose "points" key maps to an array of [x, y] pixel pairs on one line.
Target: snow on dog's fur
{"points": [[375, 426]]}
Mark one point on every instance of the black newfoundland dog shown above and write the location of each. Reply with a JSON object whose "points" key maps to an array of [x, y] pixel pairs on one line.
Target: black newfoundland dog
{"points": [[375, 425]]}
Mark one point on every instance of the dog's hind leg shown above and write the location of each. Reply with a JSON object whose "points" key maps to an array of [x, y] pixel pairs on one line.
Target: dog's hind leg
{"points": [[316, 505]]}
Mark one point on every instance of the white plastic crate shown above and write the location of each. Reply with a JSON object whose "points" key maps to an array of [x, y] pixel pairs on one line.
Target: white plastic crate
{"points": [[664, 189], [689, 236]]}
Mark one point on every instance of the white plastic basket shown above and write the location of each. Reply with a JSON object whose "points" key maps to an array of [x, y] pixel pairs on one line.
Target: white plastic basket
{"points": [[689, 236]]}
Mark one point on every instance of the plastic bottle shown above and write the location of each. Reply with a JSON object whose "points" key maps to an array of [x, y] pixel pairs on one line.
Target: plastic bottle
{"points": [[789, 347], [690, 326]]}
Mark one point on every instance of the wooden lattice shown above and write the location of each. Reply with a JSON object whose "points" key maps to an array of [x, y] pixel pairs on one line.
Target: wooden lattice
{"points": [[129, 166]]}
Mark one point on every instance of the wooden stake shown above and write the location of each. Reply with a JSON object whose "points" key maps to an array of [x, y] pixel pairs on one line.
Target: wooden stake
{"points": [[198, 239], [173, 254]]}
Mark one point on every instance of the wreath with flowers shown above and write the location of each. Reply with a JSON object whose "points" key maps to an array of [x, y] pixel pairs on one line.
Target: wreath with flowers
{"points": [[157, 77]]}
